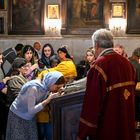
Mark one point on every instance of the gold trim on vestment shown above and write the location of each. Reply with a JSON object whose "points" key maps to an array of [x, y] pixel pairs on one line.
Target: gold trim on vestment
{"points": [[126, 94], [128, 83], [87, 123], [138, 86], [101, 71]]}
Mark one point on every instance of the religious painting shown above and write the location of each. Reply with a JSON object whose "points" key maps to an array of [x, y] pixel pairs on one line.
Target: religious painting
{"points": [[2, 4], [26, 17], [82, 16], [117, 9], [1, 25], [133, 17], [53, 11]]}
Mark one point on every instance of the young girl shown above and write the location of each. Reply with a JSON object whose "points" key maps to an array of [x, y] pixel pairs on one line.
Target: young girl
{"points": [[28, 53], [33, 97], [84, 65]]}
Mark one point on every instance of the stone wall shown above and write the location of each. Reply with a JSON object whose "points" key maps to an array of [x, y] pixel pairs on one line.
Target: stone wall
{"points": [[77, 46]]}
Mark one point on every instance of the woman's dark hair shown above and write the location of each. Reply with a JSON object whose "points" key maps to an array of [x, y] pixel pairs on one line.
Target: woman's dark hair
{"points": [[19, 62], [19, 47], [64, 50], [28, 48], [50, 46], [60, 81], [46, 60]]}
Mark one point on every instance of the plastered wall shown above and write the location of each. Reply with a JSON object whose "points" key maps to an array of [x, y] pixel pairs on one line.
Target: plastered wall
{"points": [[77, 46]]}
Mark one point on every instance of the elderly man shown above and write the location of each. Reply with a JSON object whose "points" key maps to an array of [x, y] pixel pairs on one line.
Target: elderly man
{"points": [[108, 111]]}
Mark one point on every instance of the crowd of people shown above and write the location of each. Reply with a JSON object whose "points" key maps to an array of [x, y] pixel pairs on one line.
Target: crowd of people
{"points": [[32, 75]]}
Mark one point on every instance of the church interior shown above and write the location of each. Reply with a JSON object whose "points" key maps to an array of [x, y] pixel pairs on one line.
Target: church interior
{"points": [[69, 23], [68, 29]]}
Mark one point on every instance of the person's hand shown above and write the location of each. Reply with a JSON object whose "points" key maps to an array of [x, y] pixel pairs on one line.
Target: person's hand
{"points": [[53, 95], [6, 79], [4, 90], [62, 91], [50, 97]]}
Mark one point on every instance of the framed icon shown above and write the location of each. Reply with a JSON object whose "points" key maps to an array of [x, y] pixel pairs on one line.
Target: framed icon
{"points": [[133, 17], [53, 11], [83, 17], [26, 17], [117, 9], [2, 4]]}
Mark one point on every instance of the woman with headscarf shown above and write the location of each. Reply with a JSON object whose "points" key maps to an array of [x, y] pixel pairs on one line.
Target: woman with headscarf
{"points": [[33, 97], [47, 54], [66, 66]]}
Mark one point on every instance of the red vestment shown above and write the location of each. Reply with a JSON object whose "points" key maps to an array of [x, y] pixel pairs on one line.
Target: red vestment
{"points": [[108, 107]]}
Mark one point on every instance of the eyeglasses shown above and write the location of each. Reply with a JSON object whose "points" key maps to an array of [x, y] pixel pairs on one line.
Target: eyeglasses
{"points": [[25, 66]]}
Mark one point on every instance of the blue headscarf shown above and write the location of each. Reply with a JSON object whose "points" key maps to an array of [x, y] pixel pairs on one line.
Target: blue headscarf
{"points": [[49, 79]]}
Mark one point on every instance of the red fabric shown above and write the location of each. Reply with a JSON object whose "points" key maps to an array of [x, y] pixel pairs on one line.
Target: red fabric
{"points": [[109, 115]]}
